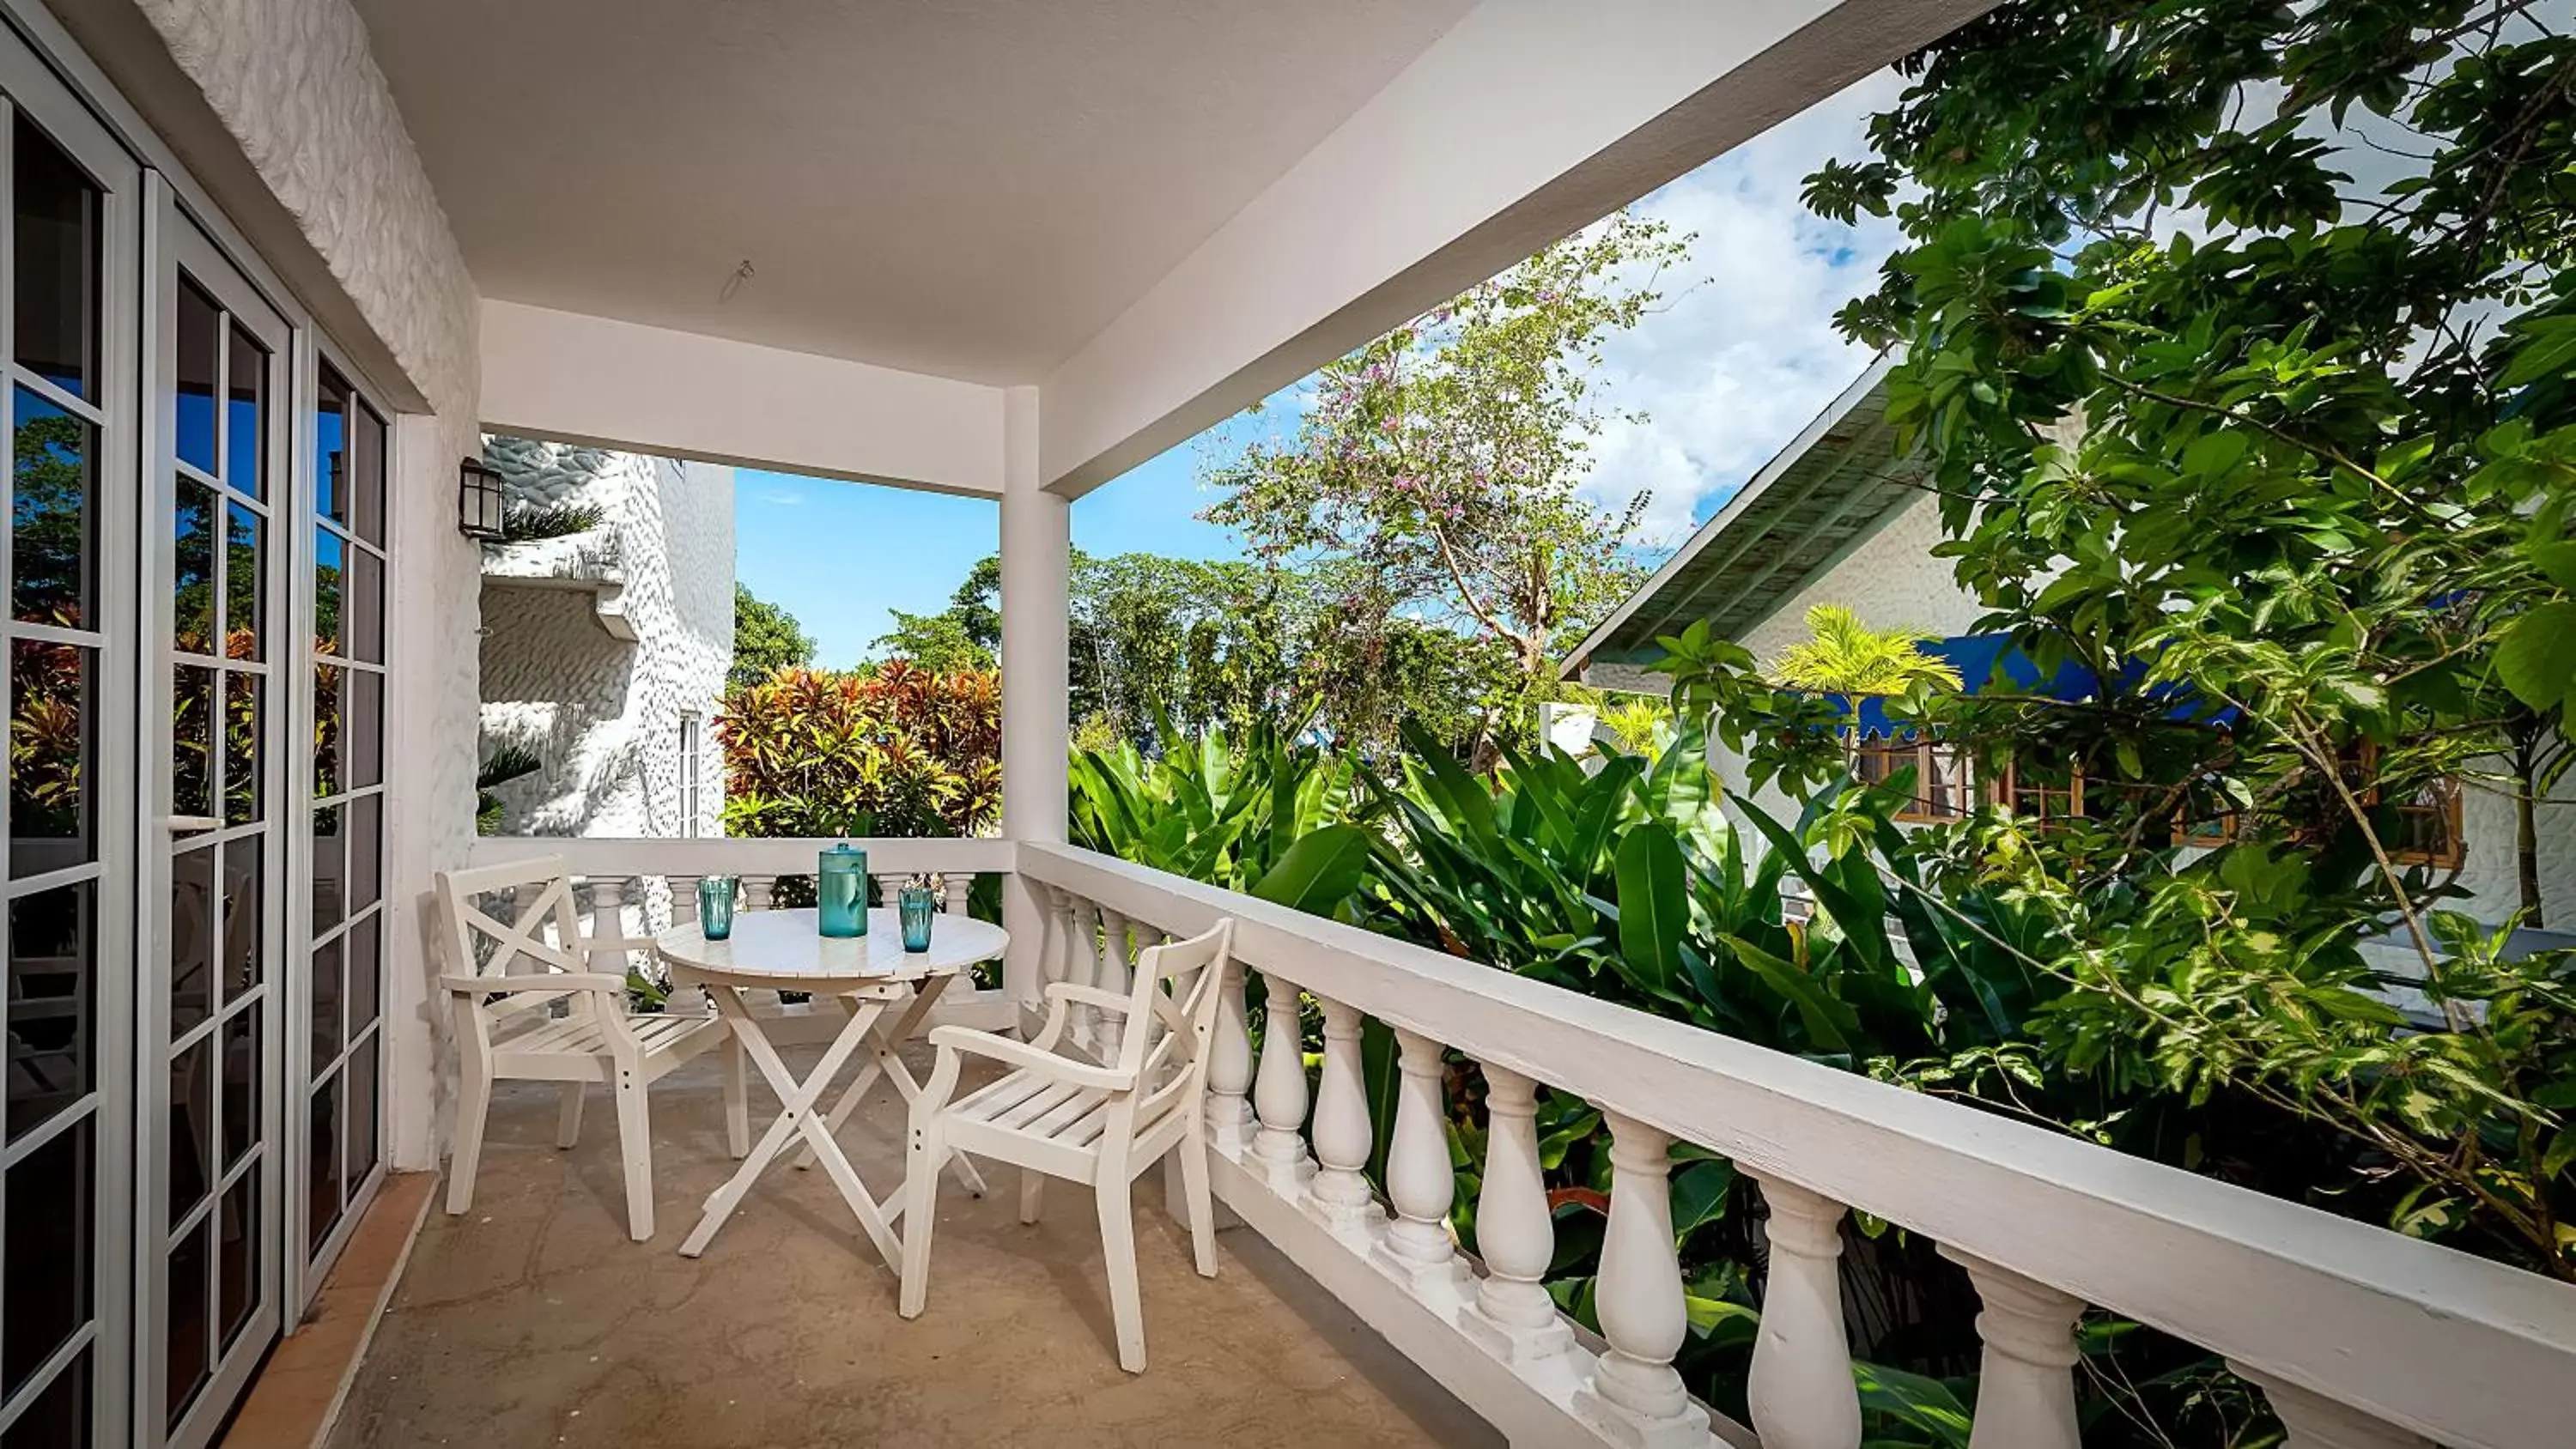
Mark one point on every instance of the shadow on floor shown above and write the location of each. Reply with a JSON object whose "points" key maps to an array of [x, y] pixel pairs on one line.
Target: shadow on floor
{"points": [[533, 1321]]}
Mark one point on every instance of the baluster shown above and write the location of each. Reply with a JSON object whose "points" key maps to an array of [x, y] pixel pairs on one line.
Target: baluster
{"points": [[1088, 969], [1279, 1092], [1340, 1199], [1229, 1073], [1055, 956], [2026, 1384], [2317, 1422], [890, 887], [684, 897], [1116, 972], [1419, 1181], [1634, 1391], [758, 892], [608, 915], [954, 887], [1513, 1316], [1801, 1390]]}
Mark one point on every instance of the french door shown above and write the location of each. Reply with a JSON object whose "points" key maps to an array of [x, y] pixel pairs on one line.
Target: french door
{"points": [[216, 465], [68, 328]]}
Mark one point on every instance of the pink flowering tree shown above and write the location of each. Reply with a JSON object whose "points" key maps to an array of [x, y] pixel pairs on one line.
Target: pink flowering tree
{"points": [[1438, 470]]}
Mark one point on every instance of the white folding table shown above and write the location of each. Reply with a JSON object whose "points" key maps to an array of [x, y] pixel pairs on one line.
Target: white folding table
{"points": [[874, 978]]}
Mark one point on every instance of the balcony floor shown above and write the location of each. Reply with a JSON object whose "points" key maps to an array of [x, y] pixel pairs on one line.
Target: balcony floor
{"points": [[533, 1321]]}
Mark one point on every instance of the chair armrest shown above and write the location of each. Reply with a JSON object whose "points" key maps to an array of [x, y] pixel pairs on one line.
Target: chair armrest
{"points": [[1101, 997], [954, 1039], [547, 981]]}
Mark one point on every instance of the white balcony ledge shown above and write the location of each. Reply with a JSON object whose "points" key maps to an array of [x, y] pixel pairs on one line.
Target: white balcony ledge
{"points": [[585, 562]]}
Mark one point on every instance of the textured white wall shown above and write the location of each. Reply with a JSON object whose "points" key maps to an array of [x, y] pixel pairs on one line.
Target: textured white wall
{"points": [[293, 81], [602, 712]]}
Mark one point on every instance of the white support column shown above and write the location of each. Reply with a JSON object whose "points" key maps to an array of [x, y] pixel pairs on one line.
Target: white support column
{"points": [[1279, 1092], [2317, 1422], [1340, 1199], [1634, 1392], [1037, 560], [954, 889], [2026, 1383], [1801, 1390], [1417, 1247], [1513, 1316]]}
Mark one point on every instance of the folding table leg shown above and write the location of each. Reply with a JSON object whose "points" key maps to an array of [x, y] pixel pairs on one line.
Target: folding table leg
{"points": [[796, 1115]]}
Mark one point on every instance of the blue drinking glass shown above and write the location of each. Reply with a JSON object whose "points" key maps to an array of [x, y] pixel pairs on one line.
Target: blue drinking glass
{"points": [[715, 906], [914, 903]]}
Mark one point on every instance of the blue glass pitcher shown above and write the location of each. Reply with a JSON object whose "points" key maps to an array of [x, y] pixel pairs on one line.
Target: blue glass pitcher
{"points": [[841, 891]]}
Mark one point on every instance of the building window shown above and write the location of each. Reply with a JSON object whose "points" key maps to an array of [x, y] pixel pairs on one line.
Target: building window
{"points": [[2428, 830], [1940, 775], [689, 747], [2040, 790]]}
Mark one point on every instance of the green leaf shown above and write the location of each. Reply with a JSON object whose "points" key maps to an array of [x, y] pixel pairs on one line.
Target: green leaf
{"points": [[1699, 1196], [2537, 656], [1319, 872], [2556, 562], [1654, 907]]}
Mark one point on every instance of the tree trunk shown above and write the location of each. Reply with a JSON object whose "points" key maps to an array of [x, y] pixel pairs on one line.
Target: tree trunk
{"points": [[2526, 850]]}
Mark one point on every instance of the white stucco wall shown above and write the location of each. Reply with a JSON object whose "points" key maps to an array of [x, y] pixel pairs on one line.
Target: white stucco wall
{"points": [[293, 82], [602, 711]]}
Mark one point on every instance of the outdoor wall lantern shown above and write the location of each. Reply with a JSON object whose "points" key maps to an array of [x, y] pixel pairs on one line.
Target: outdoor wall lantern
{"points": [[478, 501]]}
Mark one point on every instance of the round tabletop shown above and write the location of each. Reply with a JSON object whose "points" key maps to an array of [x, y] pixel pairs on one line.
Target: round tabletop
{"points": [[782, 949]]}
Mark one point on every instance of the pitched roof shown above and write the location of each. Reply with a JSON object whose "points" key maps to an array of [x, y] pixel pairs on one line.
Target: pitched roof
{"points": [[1832, 486]]}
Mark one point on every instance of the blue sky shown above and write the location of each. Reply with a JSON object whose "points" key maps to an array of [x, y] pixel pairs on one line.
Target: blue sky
{"points": [[1739, 356], [817, 546]]}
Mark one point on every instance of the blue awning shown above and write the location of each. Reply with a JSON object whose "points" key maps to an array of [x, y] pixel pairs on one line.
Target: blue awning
{"points": [[1993, 661]]}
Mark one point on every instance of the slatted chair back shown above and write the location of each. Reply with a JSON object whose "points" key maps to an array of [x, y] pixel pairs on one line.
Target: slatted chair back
{"points": [[543, 933], [1171, 1014]]}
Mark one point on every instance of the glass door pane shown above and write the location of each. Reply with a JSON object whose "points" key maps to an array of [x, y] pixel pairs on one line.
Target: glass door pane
{"points": [[66, 892], [341, 988], [214, 580]]}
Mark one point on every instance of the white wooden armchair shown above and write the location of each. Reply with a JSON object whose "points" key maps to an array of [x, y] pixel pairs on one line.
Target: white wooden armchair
{"points": [[501, 1007], [1056, 1115]]}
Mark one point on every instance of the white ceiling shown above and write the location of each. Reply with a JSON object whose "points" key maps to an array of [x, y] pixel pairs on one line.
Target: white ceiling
{"points": [[965, 187]]}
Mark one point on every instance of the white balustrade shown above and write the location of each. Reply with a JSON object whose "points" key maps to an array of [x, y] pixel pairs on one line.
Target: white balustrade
{"points": [[1419, 1179], [1229, 1074], [1279, 1093], [1087, 1028], [890, 888], [1801, 1393], [2026, 1383], [758, 892], [2422, 1336], [2316, 1422], [1513, 1316], [1634, 1394], [1339, 1195], [954, 887]]}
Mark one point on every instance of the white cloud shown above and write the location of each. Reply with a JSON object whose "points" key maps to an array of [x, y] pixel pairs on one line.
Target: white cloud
{"points": [[1744, 352]]}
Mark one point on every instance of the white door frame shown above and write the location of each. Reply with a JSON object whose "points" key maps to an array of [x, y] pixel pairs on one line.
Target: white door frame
{"points": [[29, 84], [172, 241]]}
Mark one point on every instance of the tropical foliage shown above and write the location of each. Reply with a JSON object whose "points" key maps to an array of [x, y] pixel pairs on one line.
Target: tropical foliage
{"points": [[1842, 655], [898, 751], [1435, 474], [766, 639]]}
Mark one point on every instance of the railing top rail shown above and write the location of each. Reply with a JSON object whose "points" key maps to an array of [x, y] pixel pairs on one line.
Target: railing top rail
{"points": [[2471, 1352], [707, 854]]}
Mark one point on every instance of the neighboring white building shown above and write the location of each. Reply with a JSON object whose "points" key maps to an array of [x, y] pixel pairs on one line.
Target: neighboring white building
{"points": [[604, 652], [1839, 517]]}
